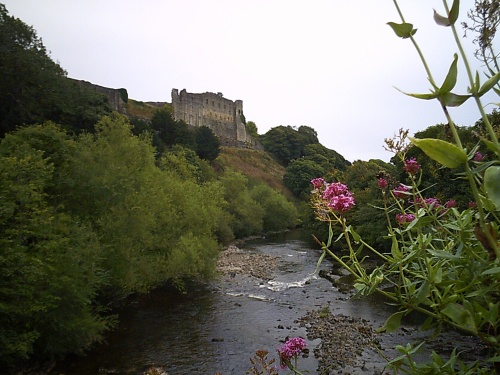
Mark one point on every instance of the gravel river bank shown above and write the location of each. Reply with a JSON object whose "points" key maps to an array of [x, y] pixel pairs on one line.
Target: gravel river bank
{"points": [[266, 292]]}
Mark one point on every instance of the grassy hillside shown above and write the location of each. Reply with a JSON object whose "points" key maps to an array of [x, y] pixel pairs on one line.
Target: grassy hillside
{"points": [[256, 165], [143, 110]]}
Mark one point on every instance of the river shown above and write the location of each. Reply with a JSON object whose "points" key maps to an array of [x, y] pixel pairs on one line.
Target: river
{"points": [[218, 326]]}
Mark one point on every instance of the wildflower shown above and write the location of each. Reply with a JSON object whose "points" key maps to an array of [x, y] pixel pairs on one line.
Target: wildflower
{"points": [[411, 166], [403, 219], [291, 349], [401, 191], [478, 156], [451, 203], [382, 183], [318, 182], [432, 202], [472, 204], [338, 197]]}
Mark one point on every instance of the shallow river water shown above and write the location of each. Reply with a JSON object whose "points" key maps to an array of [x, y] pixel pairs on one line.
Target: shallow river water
{"points": [[218, 326]]}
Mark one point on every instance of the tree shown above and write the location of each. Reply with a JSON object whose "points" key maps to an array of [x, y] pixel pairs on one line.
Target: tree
{"points": [[252, 129], [299, 174], [279, 213], [50, 262], [246, 215], [207, 143], [34, 88], [285, 143], [170, 131]]}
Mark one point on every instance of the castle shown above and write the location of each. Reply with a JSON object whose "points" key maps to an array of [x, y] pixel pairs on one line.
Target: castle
{"points": [[223, 116]]}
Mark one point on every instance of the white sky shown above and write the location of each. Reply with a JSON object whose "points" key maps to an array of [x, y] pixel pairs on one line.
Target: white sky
{"points": [[328, 64]]}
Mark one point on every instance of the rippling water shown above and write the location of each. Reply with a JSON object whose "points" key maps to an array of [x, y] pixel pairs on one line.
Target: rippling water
{"points": [[219, 326]]}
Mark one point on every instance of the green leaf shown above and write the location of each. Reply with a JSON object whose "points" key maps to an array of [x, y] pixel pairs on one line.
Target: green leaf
{"points": [[430, 96], [454, 12], [443, 152], [491, 271], [330, 235], [488, 85], [403, 30], [393, 322], [442, 254], [320, 260], [492, 184], [490, 145], [475, 86], [441, 20], [356, 237], [423, 292], [450, 99], [460, 316], [451, 78], [396, 253]]}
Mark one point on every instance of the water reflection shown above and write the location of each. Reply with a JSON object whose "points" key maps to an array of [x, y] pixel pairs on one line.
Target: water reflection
{"points": [[219, 326]]}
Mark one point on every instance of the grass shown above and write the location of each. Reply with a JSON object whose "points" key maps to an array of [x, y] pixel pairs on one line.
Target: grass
{"points": [[143, 110], [256, 165]]}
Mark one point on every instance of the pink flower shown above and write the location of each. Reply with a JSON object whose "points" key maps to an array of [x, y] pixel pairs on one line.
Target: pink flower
{"points": [[318, 182], [403, 219], [451, 203], [401, 191], [478, 156], [291, 349], [472, 204], [382, 183], [338, 197], [411, 166], [432, 202]]}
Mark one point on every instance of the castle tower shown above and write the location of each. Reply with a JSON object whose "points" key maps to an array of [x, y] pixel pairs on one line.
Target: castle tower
{"points": [[223, 116]]}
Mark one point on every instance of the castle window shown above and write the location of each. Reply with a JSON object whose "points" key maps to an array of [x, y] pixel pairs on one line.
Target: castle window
{"points": [[213, 103], [219, 105], [206, 101], [224, 106]]}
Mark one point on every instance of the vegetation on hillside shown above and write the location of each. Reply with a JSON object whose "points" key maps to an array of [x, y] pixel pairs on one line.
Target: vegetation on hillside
{"points": [[95, 209]]}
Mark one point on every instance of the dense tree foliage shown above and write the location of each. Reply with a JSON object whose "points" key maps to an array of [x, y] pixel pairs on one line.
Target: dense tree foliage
{"points": [[86, 221], [207, 143], [252, 129], [435, 178], [34, 88], [285, 143], [279, 213]]}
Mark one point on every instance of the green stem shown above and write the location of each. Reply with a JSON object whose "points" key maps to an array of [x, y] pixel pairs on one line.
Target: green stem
{"points": [[420, 54], [487, 123]]}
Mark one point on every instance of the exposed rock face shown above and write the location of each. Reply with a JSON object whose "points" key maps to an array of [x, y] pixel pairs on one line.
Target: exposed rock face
{"points": [[223, 116]]}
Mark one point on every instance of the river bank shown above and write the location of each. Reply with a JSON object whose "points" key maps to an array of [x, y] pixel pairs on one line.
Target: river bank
{"points": [[265, 293]]}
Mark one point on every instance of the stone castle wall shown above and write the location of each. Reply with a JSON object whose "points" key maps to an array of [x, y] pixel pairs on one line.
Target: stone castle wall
{"points": [[114, 95], [223, 116]]}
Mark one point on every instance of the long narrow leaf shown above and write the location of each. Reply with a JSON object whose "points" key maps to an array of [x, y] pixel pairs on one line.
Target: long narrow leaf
{"points": [[451, 78]]}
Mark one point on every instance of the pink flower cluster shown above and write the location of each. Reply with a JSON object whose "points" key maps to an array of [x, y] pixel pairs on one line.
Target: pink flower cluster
{"points": [[478, 157], [403, 219], [338, 197], [401, 191], [382, 183], [291, 349], [411, 166], [318, 182]]}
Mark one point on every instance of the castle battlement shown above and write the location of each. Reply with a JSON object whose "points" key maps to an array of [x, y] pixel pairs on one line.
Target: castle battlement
{"points": [[223, 116]]}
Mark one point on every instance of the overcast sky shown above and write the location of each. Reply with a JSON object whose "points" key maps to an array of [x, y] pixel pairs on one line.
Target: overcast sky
{"points": [[332, 65]]}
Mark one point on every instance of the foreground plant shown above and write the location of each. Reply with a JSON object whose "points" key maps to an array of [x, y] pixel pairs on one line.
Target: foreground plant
{"points": [[290, 351], [444, 262]]}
